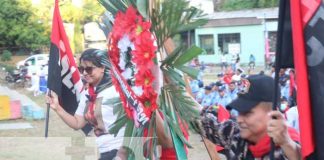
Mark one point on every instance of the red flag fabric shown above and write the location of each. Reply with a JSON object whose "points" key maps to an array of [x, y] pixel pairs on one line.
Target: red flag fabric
{"points": [[222, 114], [300, 29], [308, 40], [63, 75]]}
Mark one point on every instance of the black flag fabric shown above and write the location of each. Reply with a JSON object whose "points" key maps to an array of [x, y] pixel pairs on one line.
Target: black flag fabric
{"points": [[301, 38], [63, 75]]}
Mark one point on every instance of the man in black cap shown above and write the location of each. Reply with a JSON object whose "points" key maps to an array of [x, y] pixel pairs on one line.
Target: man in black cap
{"points": [[250, 136]]}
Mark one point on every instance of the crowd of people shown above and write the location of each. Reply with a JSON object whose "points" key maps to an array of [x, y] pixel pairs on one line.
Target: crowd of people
{"points": [[246, 100], [242, 135], [228, 84]]}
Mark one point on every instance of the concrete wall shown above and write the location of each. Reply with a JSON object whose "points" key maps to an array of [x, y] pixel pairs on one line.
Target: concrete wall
{"points": [[252, 41]]}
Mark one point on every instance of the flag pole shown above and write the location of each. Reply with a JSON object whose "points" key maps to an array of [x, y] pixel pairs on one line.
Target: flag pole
{"points": [[277, 67], [47, 115]]}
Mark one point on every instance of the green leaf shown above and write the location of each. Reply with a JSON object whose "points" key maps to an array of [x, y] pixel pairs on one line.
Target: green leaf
{"points": [[194, 51], [110, 7], [170, 59], [117, 125], [189, 71], [119, 4], [175, 76], [129, 128], [190, 26], [142, 7]]}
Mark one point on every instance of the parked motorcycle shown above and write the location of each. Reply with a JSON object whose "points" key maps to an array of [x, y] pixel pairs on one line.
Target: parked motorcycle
{"points": [[18, 77]]}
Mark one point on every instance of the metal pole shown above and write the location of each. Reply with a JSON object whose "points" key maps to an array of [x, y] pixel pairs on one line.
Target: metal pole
{"points": [[47, 116]]}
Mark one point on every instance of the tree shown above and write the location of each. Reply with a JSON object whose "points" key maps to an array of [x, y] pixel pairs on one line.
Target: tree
{"points": [[229, 5], [18, 27], [88, 11]]}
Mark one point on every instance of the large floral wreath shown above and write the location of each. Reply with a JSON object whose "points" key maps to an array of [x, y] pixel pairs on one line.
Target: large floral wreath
{"points": [[132, 50]]}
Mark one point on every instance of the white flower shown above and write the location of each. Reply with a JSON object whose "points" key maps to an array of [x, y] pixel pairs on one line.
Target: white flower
{"points": [[122, 62], [137, 90], [127, 74], [124, 43]]}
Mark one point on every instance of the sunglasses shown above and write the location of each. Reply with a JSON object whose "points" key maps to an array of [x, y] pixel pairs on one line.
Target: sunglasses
{"points": [[87, 69]]}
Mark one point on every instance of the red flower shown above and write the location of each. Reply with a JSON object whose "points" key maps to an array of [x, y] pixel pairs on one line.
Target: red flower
{"points": [[140, 27], [144, 78], [131, 24], [144, 54], [149, 100], [125, 22], [144, 37]]}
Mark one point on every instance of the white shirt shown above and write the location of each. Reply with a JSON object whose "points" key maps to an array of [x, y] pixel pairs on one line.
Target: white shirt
{"points": [[104, 142], [292, 117]]}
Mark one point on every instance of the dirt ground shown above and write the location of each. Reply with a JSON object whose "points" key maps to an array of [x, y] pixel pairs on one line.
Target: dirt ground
{"points": [[30, 144]]}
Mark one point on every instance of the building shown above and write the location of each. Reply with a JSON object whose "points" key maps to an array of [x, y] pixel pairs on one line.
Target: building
{"points": [[242, 32]]}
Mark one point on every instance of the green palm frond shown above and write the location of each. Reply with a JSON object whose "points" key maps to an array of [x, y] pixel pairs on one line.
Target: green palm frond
{"points": [[187, 56], [171, 17], [113, 6], [142, 7]]}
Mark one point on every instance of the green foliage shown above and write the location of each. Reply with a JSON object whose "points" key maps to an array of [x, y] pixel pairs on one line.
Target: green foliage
{"points": [[8, 68], [229, 5], [176, 16], [18, 28], [6, 55]]}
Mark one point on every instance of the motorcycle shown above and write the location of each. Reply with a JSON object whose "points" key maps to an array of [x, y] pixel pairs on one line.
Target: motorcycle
{"points": [[18, 77]]}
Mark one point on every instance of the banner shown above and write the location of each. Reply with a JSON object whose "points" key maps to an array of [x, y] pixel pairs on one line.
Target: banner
{"points": [[305, 44], [63, 75]]}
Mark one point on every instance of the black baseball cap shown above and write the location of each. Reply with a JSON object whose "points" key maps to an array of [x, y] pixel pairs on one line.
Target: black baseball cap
{"points": [[257, 88], [208, 88]]}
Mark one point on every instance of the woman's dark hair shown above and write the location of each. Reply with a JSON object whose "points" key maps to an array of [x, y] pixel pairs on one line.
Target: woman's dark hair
{"points": [[100, 59], [95, 56]]}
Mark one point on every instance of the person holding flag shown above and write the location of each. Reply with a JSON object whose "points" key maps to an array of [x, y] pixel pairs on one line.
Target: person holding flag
{"points": [[250, 137], [95, 67]]}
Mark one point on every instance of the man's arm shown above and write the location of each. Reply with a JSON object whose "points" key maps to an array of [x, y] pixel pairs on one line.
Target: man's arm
{"points": [[278, 131]]}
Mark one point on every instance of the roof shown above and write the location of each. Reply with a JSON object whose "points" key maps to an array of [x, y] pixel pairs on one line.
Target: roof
{"points": [[268, 13], [241, 17]]}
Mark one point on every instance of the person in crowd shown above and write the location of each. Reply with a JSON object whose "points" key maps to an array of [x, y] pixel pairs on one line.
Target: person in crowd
{"points": [[251, 62], [34, 84], [238, 74], [200, 93], [292, 117], [194, 85], [215, 88], [220, 78], [284, 87], [283, 105], [228, 75], [237, 62], [250, 137], [232, 90], [222, 99], [223, 62], [208, 97], [202, 66], [233, 61], [95, 67]]}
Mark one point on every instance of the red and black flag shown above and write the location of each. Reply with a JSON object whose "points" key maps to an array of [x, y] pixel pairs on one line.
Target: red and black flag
{"points": [[63, 75], [300, 44]]}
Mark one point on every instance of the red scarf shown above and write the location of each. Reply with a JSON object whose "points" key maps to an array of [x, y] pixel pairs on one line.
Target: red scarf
{"points": [[90, 112], [263, 146]]}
